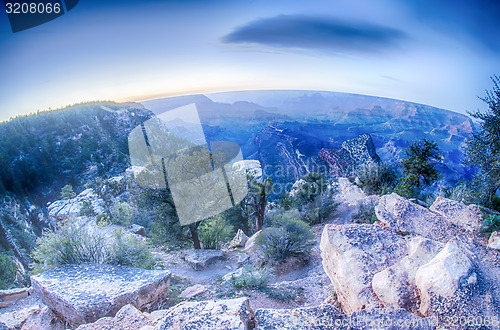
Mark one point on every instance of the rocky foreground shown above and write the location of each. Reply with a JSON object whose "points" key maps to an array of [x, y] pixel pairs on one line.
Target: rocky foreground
{"points": [[416, 267]]}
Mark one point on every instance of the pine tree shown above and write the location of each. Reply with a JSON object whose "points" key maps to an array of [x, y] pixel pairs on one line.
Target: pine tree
{"points": [[483, 149]]}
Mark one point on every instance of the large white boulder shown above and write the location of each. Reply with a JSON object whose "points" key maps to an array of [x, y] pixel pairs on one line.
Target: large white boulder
{"points": [[86, 292], [352, 255], [444, 274], [467, 217]]}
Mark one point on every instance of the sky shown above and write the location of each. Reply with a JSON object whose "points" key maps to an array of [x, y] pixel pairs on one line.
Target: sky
{"points": [[440, 53]]}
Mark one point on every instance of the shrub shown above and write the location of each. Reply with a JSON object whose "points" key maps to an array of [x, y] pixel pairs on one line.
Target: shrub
{"points": [[214, 232], [87, 210], [474, 191], [7, 272], [103, 220], [287, 237], [121, 214], [251, 278], [491, 223], [366, 214], [377, 178], [405, 188], [127, 250], [318, 210], [67, 192], [73, 243]]}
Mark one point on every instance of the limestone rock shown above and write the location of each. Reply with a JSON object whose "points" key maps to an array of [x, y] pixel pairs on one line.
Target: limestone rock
{"points": [[466, 217], [297, 318], [328, 317], [394, 286], [220, 314], [406, 217], [128, 317], [86, 292], [239, 240], [192, 291], [9, 297], [443, 275], [200, 259], [352, 254], [137, 230], [494, 240], [64, 208]]}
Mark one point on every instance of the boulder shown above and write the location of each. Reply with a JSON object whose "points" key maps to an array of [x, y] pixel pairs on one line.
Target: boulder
{"points": [[254, 251], [64, 208], [394, 286], [84, 293], [239, 240], [128, 317], [406, 217], [444, 274], [328, 317], [192, 291], [137, 230], [220, 314], [9, 297], [352, 254], [464, 216], [494, 240], [200, 259]]}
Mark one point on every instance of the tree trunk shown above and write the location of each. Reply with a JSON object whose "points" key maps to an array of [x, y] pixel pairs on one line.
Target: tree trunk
{"points": [[193, 228]]}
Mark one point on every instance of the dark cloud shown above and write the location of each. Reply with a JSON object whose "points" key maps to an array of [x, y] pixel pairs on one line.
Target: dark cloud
{"points": [[320, 33]]}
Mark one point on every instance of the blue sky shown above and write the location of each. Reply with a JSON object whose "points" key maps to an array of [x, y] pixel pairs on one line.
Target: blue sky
{"points": [[440, 53]]}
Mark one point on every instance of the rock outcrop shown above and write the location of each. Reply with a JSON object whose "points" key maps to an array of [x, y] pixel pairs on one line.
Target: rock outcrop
{"points": [[494, 240], [354, 152], [83, 293], [239, 240], [406, 217], [329, 317], [9, 297], [467, 217], [128, 317], [219, 314], [200, 259], [352, 254], [64, 208]]}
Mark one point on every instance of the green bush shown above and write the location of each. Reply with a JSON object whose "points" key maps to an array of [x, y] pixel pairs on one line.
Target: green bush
{"points": [[366, 214], [491, 223], [474, 191], [127, 250], [7, 272], [73, 243], [251, 278], [103, 220], [67, 192], [405, 188], [121, 214], [214, 232], [87, 210], [287, 237], [377, 178]]}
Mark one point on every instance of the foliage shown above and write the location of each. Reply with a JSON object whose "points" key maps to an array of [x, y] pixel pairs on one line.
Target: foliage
{"points": [[7, 272], [313, 185], [377, 178], [127, 250], [44, 149], [417, 165], [366, 213], [491, 223], [121, 214], [87, 210], [483, 149], [73, 243], [67, 192], [405, 188], [474, 191], [251, 278], [214, 232], [287, 236], [320, 208], [254, 204], [103, 220], [70, 244]]}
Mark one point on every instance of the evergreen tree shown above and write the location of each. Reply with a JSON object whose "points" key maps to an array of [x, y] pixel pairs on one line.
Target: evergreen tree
{"points": [[417, 167], [483, 149]]}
